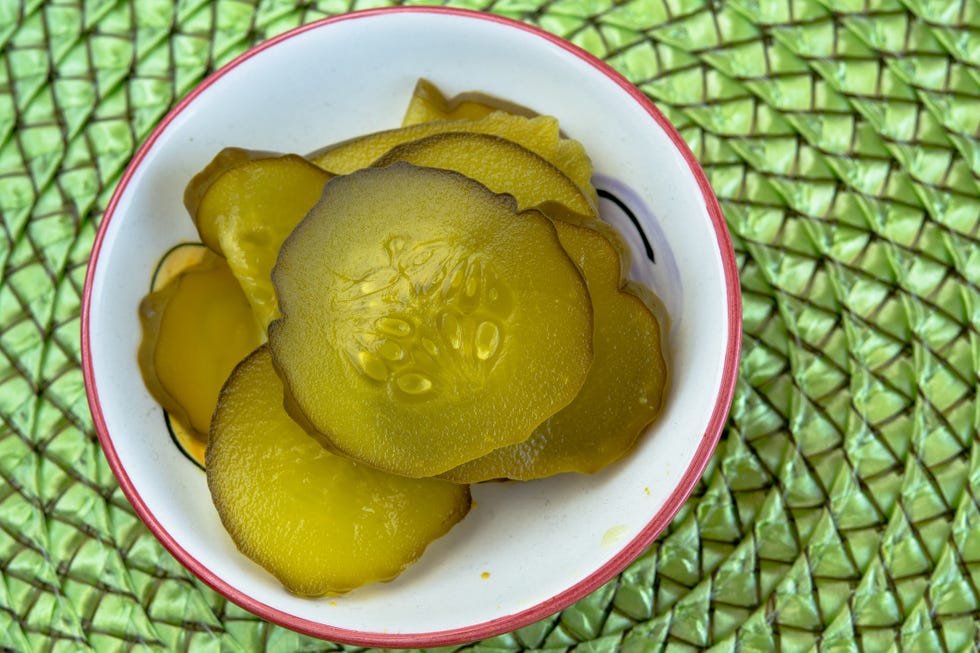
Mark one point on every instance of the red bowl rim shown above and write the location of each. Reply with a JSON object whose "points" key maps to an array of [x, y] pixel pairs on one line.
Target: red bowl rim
{"points": [[507, 623]]}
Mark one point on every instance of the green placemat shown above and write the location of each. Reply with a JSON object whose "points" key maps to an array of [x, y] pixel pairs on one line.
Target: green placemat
{"points": [[842, 509]]}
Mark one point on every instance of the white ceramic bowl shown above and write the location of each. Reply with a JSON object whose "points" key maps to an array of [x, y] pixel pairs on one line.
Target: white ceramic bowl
{"points": [[526, 550]]}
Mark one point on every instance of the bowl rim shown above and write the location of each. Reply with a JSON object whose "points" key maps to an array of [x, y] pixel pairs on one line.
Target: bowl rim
{"points": [[554, 604]]}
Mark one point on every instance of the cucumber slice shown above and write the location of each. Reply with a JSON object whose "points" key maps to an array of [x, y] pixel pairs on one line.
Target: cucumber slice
{"points": [[425, 322], [322, 524], [197, 325], [247, 211]]}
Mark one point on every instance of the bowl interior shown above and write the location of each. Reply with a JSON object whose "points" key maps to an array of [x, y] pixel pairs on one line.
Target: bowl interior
{"points": [[526, 550]]}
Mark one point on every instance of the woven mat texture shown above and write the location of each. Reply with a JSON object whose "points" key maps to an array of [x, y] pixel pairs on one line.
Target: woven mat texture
{"points": [[842, 508]]}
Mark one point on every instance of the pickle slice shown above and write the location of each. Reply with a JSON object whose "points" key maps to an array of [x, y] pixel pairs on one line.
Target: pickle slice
{"points": [[197, 325], [624, 391], [321, 523], [176, 260], [246, 213], [501, 165], [425, 322]]}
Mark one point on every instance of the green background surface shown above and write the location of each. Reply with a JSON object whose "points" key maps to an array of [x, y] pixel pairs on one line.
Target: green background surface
{"points": [[841, 511]]}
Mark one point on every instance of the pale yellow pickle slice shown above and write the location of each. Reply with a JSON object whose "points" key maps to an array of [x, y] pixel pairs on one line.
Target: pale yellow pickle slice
{"points": [[197, 325], [248, 210], [320, 523]]}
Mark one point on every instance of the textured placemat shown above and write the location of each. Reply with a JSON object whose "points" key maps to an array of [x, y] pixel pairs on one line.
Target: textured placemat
{"points": [[842, 509]]}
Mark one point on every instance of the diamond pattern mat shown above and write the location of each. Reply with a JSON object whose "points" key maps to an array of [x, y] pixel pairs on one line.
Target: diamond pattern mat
{"points": [[842, 508]]}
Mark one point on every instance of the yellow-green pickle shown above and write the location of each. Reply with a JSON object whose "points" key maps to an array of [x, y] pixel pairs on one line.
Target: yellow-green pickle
{"points": [[196, 327], [321, 523]]}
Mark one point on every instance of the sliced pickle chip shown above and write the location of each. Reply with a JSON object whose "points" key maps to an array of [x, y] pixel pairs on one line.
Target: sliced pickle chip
{"points": [[246, 213], [321, 523], [176, 260], [425, 322], [501, 165], [625, 388], [197, 325]]}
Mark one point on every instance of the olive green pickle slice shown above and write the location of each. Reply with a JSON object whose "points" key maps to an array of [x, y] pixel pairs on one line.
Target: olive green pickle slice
{"points": [[425, 321]]}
